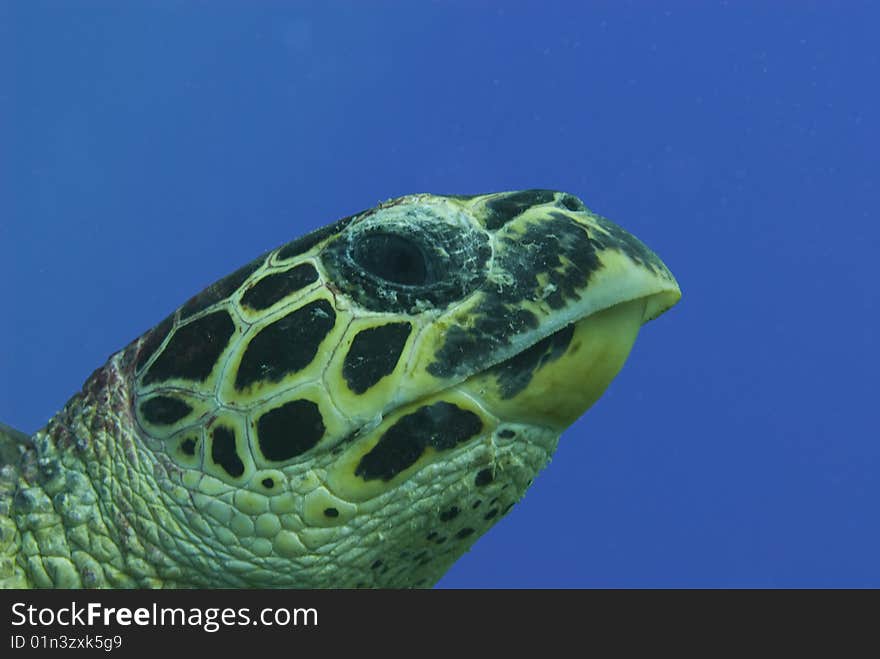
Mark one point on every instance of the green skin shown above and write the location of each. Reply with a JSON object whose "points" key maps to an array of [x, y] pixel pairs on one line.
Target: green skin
{"points": [[71, 502], [99, 498]]}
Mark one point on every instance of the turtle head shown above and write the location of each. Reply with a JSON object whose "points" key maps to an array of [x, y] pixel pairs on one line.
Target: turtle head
{"points": [[358, 406]]}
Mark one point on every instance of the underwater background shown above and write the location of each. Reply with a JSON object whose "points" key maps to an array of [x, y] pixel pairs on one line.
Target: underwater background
{"points": [[148, 149]]}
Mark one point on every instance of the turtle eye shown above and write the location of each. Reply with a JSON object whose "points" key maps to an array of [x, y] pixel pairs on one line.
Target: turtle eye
{"points": [[391, 257]]}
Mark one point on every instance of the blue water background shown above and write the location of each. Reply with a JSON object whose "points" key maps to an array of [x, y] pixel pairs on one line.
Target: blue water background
{"points": [[145, 152]]}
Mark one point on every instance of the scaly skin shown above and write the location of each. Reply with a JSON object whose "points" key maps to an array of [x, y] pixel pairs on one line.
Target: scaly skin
{"points": [[353, 409], [95, 507], [87, 503]]}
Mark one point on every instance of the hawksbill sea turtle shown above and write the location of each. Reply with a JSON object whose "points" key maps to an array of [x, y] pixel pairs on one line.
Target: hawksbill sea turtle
{"points": [[352, 409]]}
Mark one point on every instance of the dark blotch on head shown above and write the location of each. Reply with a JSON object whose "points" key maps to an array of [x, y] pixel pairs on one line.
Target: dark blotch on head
{"points": [[188, 446], [534, 262], [272, 288], [289, 430], [374, 354], [464, 533], [514, 374], [331, 512], [623, 241], [490, 514], [287, 345], [465, 349], [305, 243], [507, 433], [477, 504], [431, 535], [484, 477], [376, 564], [153, 340], [220, 290], [447, 515], [268, 483], [441, 426], [193, 350], [502, 210], [164, 410], [224, 453]]}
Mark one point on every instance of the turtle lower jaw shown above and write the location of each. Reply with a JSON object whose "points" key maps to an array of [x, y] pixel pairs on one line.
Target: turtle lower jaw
{"points": [[555, 381]]}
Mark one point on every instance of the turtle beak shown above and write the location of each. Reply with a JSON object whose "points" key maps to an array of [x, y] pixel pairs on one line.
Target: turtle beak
{"points": [[557, 379]]}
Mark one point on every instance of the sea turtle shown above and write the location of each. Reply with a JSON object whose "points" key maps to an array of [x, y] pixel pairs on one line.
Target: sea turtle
{"points": [[352, 409]]}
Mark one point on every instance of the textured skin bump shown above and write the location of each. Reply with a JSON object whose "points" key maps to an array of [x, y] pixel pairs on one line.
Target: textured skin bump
{"points": [[337, 413]]}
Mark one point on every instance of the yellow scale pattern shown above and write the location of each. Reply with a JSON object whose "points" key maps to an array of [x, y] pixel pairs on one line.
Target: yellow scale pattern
{"points": [[239, 452]]}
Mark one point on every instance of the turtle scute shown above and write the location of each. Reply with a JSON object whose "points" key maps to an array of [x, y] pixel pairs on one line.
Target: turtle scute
{"points": [[354, 408]]}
